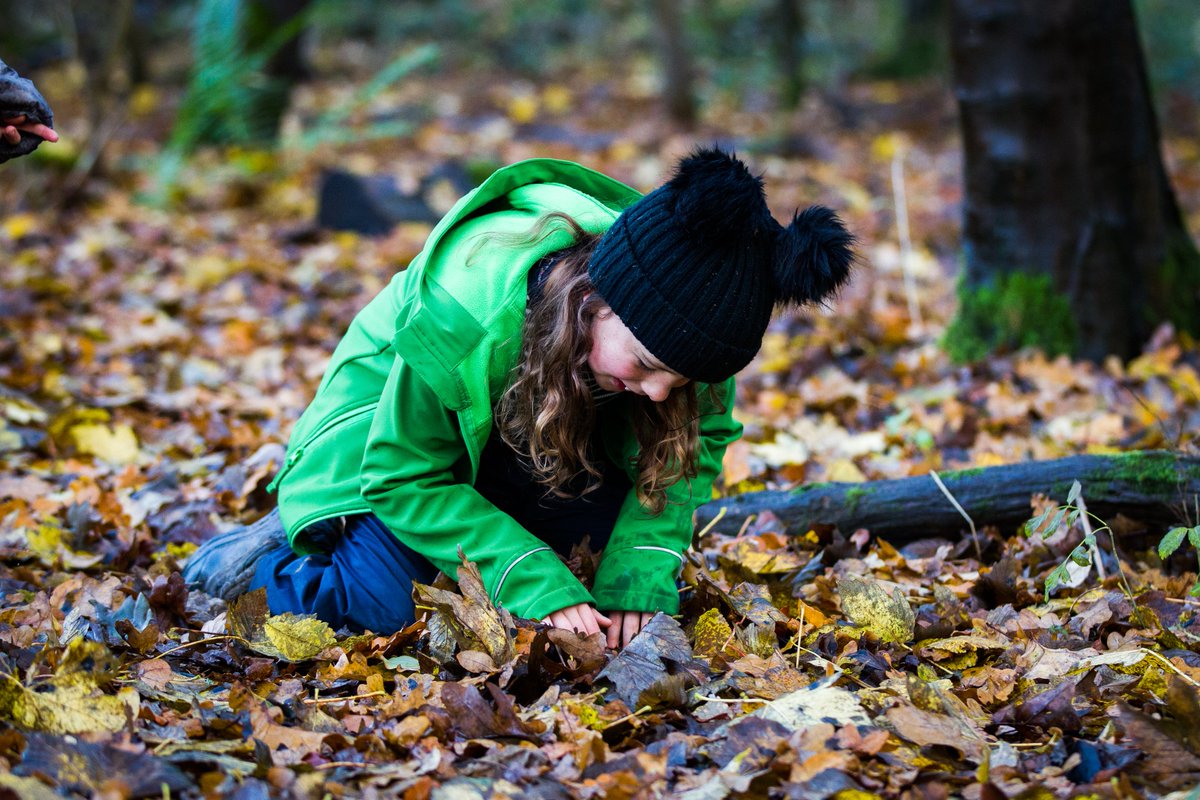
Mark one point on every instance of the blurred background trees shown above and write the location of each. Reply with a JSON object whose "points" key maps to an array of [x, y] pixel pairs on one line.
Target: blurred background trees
{"points": [[199, 73]]}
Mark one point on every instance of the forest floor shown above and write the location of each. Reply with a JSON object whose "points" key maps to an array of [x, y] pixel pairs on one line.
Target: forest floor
{"points": [[153, 360]]}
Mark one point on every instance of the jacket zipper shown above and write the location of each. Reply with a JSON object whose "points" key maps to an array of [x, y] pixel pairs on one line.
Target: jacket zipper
{"points": [[298, 452]]}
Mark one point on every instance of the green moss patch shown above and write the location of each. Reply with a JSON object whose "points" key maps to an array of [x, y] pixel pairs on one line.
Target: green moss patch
{"points": [[1018, 310]]}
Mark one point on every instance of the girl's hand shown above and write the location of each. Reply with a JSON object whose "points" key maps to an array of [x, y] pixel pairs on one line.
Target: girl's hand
{"points": [[625, 625], [10, 129], [580, 617]]}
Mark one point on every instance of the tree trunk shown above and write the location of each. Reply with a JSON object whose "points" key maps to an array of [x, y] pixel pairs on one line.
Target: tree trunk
{"points": [[789, 48], [921, 45], [676, 62], [1157, 488], [1073, 239]]}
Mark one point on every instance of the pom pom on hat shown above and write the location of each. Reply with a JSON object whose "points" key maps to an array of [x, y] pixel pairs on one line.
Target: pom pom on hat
{"points": [[695, 268], [813, 256], [717, 197]]}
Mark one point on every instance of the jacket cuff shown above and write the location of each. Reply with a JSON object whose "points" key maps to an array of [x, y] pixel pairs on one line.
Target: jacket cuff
{"points": [[638, 578], [537, 583]]}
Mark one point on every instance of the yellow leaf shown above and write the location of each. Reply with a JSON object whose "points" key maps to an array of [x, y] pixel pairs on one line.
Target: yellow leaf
{"points": [[207, 271], [868, 605], [523, 108], [71, 702], [19, 225], [145, 100], [116, 445], [557, 98], [297, 638], [938, 649], [844, 470], [711, 635], [44, 542], [26, 788], [287, 636]]}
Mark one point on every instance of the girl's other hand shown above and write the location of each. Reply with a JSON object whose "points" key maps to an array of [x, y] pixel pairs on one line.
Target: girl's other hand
{"points": [[625, 625], [580, 617], [10, 129]]}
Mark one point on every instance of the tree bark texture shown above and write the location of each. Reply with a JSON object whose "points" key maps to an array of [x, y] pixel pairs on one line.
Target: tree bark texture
{"points": [[678, 93], [1158, 488], [1063, 174]]}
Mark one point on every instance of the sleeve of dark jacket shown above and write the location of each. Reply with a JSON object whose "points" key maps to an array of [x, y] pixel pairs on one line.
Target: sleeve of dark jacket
{"points": [[19, 96]]}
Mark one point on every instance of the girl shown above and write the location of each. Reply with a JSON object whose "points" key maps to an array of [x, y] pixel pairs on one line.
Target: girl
{"points": [[556, 364]]}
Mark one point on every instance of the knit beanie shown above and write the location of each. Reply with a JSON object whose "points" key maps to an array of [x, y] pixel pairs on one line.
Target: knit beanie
{"points": [[695, 268]]}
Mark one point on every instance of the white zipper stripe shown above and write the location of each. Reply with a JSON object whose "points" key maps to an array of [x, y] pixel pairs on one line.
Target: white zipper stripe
{"points": [[496, 594], [663, 549]]}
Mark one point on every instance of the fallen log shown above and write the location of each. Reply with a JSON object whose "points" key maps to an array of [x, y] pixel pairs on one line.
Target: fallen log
{"points": [[1153, 487]]}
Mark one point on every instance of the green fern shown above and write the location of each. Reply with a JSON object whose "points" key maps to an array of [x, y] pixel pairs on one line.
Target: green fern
{"points": [[229, 96]]}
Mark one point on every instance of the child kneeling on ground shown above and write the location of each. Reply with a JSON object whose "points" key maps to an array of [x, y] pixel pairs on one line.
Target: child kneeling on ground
{"points": [[557, 363]]}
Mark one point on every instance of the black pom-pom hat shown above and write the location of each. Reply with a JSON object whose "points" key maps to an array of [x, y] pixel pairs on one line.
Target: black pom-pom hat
{"points": [[695, 268]]}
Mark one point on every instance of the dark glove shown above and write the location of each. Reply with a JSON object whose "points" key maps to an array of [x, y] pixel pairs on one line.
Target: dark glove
{"points": [[18, 96]]}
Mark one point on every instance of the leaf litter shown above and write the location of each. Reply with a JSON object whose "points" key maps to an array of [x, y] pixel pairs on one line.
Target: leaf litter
{"points": [[154, 362]]}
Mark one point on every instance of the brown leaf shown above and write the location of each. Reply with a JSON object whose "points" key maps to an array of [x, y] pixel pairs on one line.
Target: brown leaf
{"points": [[472, 618], [475, 718], [642, 663], [1168, 764], [925, 728], [753, 601], [88, 767]]}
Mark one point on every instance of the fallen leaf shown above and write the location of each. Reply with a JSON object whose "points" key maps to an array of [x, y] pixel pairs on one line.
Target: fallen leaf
{"points": [[473, 620], [95, 767], [868, 605], [287, 636], [643, 662], [117, 444]]}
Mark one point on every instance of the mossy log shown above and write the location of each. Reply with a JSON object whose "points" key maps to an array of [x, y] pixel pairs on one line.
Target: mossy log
{"points": [[1153, 487]]}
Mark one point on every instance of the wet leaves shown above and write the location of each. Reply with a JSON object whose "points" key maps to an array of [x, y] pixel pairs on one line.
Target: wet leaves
{"points": [[152, 365]]}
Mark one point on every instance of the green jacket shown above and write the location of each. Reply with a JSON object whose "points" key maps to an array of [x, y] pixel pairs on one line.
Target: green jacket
{"points": [[404, 410]]}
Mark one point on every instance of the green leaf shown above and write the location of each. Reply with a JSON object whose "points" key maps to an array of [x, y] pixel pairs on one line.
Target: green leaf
{"points": [[1171, 541], [1194, 536], [1073, 495], [1034, 525], [1195, 590], [1056, 576], [1082, 556]]}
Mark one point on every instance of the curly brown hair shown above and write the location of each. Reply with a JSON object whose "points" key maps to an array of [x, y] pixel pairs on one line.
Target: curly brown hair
{"points": [[548, 412]]}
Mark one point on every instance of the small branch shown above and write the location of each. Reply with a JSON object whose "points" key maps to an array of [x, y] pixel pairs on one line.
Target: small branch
{"points": [[967, 517], [320, 701], [1091, 536], [900, 196]]}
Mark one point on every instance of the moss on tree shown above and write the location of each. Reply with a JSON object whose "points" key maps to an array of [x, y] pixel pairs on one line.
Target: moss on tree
{"points": [[1018, 310], [1177, 286]]}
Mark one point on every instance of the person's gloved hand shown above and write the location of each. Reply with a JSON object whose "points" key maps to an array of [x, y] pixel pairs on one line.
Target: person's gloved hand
{"points": [[25, 117]]}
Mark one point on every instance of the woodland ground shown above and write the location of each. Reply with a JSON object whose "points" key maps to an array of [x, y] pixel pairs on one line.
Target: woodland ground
{"points": [[152, 362]]}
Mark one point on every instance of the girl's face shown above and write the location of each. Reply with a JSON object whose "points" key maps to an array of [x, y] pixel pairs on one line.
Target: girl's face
{"points": [[620, 363]]}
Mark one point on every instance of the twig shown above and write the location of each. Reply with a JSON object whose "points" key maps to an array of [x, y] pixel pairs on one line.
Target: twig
{"points": [[729, 701], [1171, 666], [967, 517], [218, 637], [320, 701], [902, 231], [1091, 536], [629, 717], [745, 526], [712, 523]]}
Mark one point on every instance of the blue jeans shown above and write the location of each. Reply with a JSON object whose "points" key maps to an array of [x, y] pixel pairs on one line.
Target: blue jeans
{"points": [[363, 580]]}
